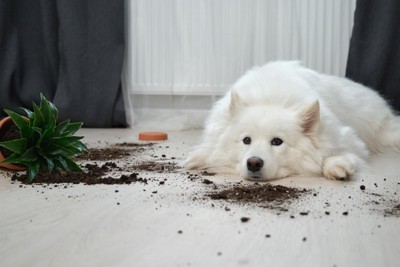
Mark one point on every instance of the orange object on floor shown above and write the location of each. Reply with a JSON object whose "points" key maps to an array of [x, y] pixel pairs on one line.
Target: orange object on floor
{"points": [[152, 136]]}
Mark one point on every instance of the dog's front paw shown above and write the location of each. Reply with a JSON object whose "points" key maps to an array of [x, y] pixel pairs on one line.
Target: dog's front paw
{"points": [[196, 160], [339, 167]]}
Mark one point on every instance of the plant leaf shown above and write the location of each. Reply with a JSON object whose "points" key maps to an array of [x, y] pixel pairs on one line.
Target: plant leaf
{"points": [[72, 165], [50, 164], [49, 160], [38, 120], [27, 131], [63, 163], [20, 122], [38, 130], [74, 150], [54, 111], [28, 113], [29, 156], [58, 166], [47, 134], [43, 164], [33, 169], [12, 159], [82, 147], [55, 150], [73, 127], [17, 145], [61, 127], [45, 109], [66, 140]]}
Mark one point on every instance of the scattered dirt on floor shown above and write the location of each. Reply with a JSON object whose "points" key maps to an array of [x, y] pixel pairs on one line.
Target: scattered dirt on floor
{"points": [[159, 167], [100, 167], [116, 151], [393, 211], [206, 173], [263, 195], [117, 164], [92, 174], [104, 154], [100, 173], [244, 219]]}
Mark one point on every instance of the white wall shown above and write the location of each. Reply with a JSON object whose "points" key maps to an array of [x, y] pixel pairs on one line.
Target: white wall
{"points": [[183, 54]]}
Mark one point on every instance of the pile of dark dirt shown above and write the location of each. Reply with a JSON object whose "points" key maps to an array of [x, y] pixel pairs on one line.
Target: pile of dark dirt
{"points": [[158, 167], [103, 154], [92, 174], [99, 173], [393, 211], [263, 195], [117, 151]]}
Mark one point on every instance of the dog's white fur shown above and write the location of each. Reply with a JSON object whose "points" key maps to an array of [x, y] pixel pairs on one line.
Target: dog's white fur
{"points": [[328, 125]]}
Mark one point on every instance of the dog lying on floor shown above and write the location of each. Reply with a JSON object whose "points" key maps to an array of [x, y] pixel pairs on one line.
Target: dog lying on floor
{"points": [[283, 119]]}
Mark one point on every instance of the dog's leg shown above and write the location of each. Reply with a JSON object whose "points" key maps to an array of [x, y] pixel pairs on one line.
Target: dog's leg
{"points": [[196, 160], [341, 166]]}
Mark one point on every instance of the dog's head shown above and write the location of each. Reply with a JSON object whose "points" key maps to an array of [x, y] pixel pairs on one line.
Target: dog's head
{"points": [[275, 141]]}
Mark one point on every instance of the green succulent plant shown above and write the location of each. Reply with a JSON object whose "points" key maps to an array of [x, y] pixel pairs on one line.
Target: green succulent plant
{"points": [[45, 145]]}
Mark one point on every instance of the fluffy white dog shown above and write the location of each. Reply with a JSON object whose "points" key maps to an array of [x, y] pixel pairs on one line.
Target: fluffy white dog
{"points": [[283, 119]]}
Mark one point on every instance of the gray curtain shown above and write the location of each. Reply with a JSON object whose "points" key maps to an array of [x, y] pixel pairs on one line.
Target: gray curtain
{"points": [[70, 50], [374, 55]]}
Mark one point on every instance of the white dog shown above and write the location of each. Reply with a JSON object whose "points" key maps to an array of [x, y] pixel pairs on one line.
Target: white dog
{"points": [[283, 119]]}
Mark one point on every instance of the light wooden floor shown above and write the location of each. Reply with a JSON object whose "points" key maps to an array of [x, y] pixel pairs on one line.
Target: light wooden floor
{"points": [[84, 226]]}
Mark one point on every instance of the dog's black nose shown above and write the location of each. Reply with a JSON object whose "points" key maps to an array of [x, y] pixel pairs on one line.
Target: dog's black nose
{"points": [[254, 164]]}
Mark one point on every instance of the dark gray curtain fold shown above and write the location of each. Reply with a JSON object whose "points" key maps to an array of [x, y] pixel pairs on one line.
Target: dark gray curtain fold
{"points": [[70, 50], [374, 55]]}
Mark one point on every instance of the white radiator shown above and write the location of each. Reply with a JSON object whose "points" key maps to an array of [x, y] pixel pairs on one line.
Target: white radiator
{"points": [[202, 46], [180, 49]]}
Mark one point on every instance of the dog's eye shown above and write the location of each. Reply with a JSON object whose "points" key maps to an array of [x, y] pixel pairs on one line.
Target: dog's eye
{"points": [[247, 140], [276, 141]]}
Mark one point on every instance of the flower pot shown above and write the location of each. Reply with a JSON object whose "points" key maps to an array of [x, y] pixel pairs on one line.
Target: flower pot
{"points": [[5, 124]]}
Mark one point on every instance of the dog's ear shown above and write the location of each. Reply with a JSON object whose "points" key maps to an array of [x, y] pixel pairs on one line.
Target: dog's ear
{"points": [[236, 101], [310, 118]]}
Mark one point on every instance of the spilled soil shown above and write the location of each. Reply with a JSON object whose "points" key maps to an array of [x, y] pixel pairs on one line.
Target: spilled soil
{"points": [[263, 195], [99, 167], [118, 164], [113, 165], [394, 211], [92, 174], [113, 152]]}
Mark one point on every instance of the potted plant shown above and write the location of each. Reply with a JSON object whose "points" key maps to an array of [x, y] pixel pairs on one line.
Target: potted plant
{"points": [[42, 144]]}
